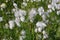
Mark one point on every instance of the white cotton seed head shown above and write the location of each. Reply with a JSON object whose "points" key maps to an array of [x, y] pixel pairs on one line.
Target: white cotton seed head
{"points": [[44, 32], [3, 5], [49, 11], [22, 12], [55, 1], [49, 6], [40, 10], [23, 32], [36, 30], [45, 36], [13, 10], [24, 4], [19, 13], [22, 19], [53, 4], [31, 20], [39, 29], [32, 13], [20, 38], [1, 19], [58, 12], [18, 24], [15, 5], [43, 17], [23, 36], [11, 24], [40, 24], [57, 6], [53, 8], [16, 14], [17, 21]]}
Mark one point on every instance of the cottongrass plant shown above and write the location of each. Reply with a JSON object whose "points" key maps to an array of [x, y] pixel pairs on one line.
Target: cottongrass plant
{"points": [[29, 19]]}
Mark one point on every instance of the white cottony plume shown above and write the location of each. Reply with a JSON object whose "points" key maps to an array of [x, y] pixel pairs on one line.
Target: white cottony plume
{"points": [[1, 19], [3, 5], [16, 14], [49, 11], [55, 1], [49, 6], [43, 17], [19, 15], [41, 24], [23, 32], [39, 29], [24, 4], [32, 13], [41, 10], [17, 21], [44, 34], [53, 8], [22, 12], [13, 10], [22, 37], [57, 6], [58, 12], [19, 12], [15, 5], [36, 30], [11, 24], [22, 18]]}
